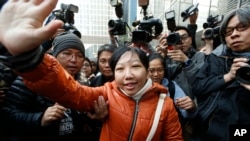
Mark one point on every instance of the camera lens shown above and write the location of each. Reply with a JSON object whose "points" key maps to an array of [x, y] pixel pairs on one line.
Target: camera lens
{"points": [[243, 75], [173, 39], [111, 23], [209, 33]]}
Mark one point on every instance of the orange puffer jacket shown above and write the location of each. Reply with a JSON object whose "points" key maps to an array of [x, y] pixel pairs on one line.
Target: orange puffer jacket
{"points": [[127, 119]]}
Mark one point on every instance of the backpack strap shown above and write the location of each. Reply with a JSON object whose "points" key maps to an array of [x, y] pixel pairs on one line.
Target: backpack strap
{"points": [[157, 116], [171, 88]]}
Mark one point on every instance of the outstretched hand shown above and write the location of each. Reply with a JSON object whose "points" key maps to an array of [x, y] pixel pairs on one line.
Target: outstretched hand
{"points": [[21, 24]]}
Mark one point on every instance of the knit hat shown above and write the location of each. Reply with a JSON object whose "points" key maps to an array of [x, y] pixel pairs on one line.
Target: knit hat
{"points": [[65, 41]]}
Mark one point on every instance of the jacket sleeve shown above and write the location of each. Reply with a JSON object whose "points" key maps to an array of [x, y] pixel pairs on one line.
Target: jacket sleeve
{"points": [[192, 29], [50, 79], [210, 77], [17, 109]]}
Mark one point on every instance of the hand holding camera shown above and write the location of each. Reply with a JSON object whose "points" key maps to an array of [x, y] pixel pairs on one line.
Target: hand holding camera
{"points": [[190, 11], [240, 70], [177, 55]]}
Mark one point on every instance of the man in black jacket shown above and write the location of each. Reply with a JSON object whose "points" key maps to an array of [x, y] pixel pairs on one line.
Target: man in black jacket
{"points": [[222, 101]]}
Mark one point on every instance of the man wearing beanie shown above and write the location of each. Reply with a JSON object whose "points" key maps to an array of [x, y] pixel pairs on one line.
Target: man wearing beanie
{"points": [[69, 51]]}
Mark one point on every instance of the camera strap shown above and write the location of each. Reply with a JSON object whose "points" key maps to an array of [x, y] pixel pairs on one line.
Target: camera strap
{"points": [[177, 71]]}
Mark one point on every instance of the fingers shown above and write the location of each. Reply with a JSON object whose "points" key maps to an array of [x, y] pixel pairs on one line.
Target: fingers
{"points": [[52, 114], [49, 30], [101, 104], [185, 103], [177, 55], [101, 108]]}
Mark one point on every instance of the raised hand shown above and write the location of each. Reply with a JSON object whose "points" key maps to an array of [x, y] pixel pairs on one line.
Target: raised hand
{"points": [[21, 24], [101, 109]]}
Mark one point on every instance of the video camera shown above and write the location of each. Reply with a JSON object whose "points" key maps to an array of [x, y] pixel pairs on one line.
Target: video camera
{"points": [[213, 25], [189, 11], [211, 33], [148, 28], [213, 21], [117, 27], [66, 14]]}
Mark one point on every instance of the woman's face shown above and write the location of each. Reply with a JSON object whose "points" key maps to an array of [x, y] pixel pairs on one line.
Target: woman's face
{"points": [[103, 63], [130, 74], [156, 70], [86, 68]]}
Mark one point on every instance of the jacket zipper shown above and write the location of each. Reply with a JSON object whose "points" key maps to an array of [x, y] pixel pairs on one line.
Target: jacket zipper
{"points": [[131, 133]]}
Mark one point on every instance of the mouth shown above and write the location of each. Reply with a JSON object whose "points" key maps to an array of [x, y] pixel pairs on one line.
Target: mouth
{"points": [[236, 44], [155, 79], [71, 68], [130, 86]]}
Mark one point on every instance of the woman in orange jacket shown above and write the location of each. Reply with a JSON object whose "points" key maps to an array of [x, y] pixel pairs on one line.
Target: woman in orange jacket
{"points": [[133, 97]]}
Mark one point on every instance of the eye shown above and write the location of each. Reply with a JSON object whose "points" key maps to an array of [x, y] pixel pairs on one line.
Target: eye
{"points": [[79, 55], [119, 68], [66, 53], [136, 66]]}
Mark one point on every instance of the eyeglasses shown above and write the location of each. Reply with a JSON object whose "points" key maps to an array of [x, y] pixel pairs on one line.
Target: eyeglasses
{"points": [[240, 27], [69, 56], [158, 70], [184, 37], [86, 65]]}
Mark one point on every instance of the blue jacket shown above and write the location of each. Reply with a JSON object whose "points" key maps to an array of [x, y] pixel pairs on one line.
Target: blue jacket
{"points": [[179, 93]]}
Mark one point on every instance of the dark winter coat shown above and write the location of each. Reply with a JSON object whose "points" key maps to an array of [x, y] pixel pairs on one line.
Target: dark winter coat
{"points": [[220, 104]]}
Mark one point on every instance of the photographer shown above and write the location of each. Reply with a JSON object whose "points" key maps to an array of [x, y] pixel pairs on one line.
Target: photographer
{"points": [[217, 84], [183, 60]]}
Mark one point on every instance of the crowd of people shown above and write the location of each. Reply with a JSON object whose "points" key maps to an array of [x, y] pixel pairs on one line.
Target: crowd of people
{"points": [[128, 92]]}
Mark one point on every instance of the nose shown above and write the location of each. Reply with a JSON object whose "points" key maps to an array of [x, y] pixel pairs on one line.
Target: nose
{"points": [[155, 73], [235, 32], [128, 73], [73, 57]]}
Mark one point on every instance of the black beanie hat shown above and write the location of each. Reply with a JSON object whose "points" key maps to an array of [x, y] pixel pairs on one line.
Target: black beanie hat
{"points": [[65, 41]]}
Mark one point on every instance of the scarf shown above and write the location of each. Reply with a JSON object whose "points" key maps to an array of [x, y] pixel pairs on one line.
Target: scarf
{"points": [[142, 91]]}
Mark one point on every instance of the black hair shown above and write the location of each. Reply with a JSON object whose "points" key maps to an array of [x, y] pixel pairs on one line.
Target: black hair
{"points": [[243, 14], [106, 47], [157, 56], [182, 28], [87, 59], [123, 49]]}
